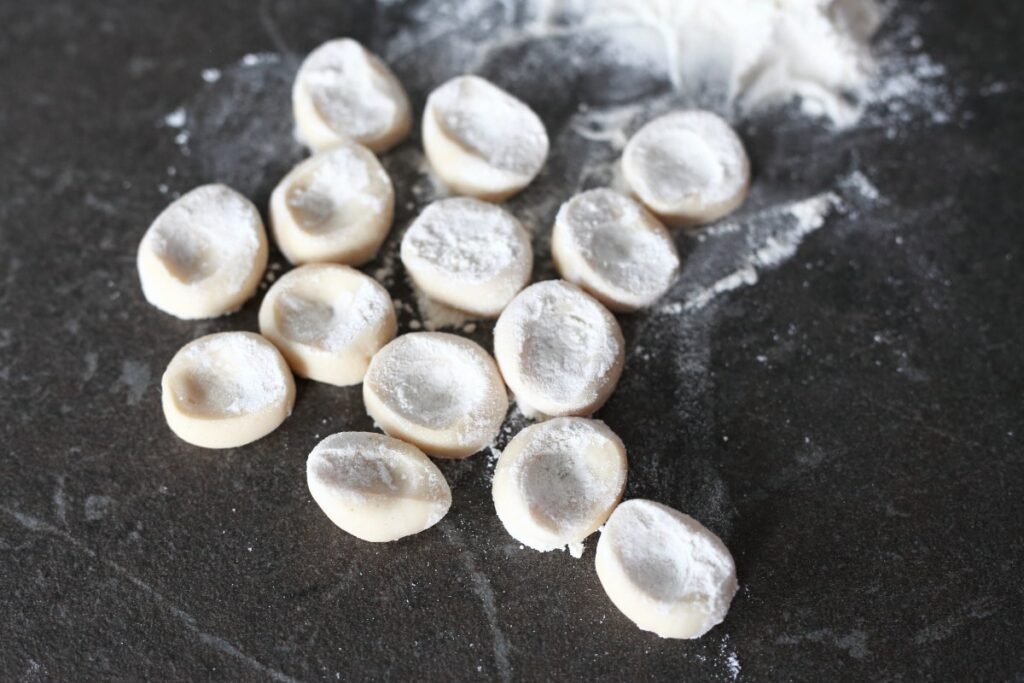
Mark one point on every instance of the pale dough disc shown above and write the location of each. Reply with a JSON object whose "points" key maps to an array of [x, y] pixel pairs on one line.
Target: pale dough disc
{"points": [[468, 254], [482, 141], [335, 207], [559, 350], [664, 570], [438, 391], [328, 321], [227, 389], [614, 249], [688, 167], [343, 92], [556, 482], [375, 487], [204, 255]]}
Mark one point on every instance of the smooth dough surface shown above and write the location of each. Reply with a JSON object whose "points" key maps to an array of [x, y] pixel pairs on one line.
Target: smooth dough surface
{"points": [[468, 254], [204, 255], [614, 249], [343, 92], [226, 390], [375, 487], [336, 206], [556, 482], [688, 167], [438, 391], [328, 321], [482, 141], [559, 350], [664, 570]]}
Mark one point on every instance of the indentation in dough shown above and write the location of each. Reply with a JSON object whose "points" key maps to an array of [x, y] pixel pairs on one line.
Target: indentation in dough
{"points": [[334, 195]]}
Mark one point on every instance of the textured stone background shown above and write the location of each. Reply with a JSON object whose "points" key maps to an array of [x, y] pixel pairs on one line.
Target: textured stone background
{"points": [[850, 425]]}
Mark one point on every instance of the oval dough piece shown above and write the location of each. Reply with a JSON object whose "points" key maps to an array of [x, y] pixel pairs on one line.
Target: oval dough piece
{"points": [[559, 350], [375, 487], [482, 141], [336, 206], [204, 255], [556, 482], [328, 321], [664, 570], [468, 254], [343, 92], [688, 167], [227, 389], [438, 391], [614, 249]]}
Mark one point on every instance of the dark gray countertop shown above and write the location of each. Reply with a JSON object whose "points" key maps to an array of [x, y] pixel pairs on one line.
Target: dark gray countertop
{"points": [[850, 425]]}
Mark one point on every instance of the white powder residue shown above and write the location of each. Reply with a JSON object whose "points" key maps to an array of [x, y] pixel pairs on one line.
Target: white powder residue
{"points": [[211, 75], [212, 229], [332, 324], [497, 126], [435, 380], [671, 558], [466, 240], [260, 58], [348, 90], [434, 315], [176, 119], [341, 184], [755, 53], [772, 238], [236, 372]]}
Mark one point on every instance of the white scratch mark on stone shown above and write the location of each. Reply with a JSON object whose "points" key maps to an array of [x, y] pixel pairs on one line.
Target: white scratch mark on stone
{"points": [[40, 526]]}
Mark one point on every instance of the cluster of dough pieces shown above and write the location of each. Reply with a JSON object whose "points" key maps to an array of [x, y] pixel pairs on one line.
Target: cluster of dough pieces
{"points": [[557, 345]]}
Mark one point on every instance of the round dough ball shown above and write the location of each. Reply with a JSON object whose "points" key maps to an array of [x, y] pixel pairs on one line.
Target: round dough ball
{"points": [[664, 570], [559, 350], [482, 141], [336, 206], [556, 482], [204, 255], [438, 391], [328, 321], [375, 487], [343, 92], [227, 389], [688, 167], [614, 249], [468, 254]]}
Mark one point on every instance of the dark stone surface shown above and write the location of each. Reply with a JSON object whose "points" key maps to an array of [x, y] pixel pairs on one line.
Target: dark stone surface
{"points": [[850, 425]]}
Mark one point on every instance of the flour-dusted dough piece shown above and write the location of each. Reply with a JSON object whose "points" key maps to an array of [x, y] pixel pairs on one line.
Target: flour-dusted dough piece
{"points": [[688, 167], [614, 249], [328, 321], [559, 350], [343, 92], [482, 141], [468, 254], [375, 487], [204, 255], [438, 391], [336, 207], [227, 389], [664, 570], [556, 482]]}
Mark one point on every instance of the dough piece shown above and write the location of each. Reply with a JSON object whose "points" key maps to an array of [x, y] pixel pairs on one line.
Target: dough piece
{"points": [[204, 255], [482, 141], [688, 167], [335, 206], [468, 254], [345, 93], [557, 482], [614, 249], [664, 570], [375, 487], [227, 389], [438, 391], [328, 321], [559, 350]]}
